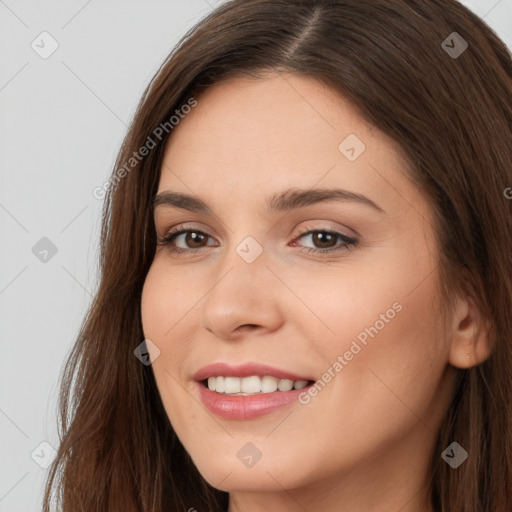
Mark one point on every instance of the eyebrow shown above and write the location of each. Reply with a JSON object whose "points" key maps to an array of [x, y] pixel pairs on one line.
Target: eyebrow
{"points": [[288, 200]]}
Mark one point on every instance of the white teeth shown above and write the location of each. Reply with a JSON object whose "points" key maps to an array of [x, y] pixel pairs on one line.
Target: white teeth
{"points": [[253, 385], [268, 384], [232, 385], [299, 384], [285, 385]]}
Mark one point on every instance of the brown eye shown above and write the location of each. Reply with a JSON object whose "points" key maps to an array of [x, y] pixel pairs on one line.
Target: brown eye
{"points": [[192, 239], [326, 240]]}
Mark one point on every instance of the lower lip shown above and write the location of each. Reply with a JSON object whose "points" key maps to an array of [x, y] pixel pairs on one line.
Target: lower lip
{"points": [[246, 407]]}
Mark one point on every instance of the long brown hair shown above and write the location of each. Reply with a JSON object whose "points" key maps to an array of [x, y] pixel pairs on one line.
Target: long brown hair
{"points": [[452, 116]]}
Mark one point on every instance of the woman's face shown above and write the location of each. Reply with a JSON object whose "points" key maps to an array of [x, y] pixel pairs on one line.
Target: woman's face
{"points": [[259, 281]]}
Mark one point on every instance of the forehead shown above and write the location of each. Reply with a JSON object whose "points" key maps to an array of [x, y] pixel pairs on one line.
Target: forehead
{"points": [[278, 132], [277, 112]]}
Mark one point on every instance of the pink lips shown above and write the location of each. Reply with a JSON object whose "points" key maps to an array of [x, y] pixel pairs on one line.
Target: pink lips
{"points": [[246, 407]]}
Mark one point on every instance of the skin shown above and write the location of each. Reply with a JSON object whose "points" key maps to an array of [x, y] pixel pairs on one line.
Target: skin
{"points": [[365, 441]]}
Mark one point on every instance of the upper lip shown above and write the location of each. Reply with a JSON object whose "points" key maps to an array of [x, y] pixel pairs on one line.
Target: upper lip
{"points": [[245, 370]]}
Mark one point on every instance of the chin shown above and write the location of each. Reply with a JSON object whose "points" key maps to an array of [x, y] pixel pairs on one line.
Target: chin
{"points": [[230, 475]]}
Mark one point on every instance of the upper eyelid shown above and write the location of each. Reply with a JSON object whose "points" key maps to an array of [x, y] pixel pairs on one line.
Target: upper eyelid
{"points": [[183, 228]]}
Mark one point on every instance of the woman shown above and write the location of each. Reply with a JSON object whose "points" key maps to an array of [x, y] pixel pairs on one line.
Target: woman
{"points": [[306, 272]]}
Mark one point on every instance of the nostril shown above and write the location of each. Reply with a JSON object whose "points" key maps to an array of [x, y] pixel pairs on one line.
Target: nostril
{"points": [[247, 326]]}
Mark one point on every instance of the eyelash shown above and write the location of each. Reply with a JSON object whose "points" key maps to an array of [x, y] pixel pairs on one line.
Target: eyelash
{"points": [[348, 242]]}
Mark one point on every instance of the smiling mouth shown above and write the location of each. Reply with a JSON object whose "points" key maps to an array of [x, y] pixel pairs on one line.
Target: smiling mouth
{"points": [[253, 385]]}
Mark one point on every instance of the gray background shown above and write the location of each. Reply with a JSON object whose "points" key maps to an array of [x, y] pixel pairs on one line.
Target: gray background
{"points": [[62, 121]]}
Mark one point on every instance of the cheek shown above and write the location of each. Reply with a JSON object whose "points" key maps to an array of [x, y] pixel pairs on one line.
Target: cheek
{"points": [[167, 297], [394, 357], [360, 302], [383, 326], [162, 311]]}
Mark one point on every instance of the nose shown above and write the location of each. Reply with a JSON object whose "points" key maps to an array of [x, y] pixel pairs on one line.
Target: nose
{"points": [[245, 298]]}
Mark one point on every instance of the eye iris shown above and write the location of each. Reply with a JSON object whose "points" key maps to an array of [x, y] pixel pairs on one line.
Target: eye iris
{"points": [[320, 238], [192, 238]]}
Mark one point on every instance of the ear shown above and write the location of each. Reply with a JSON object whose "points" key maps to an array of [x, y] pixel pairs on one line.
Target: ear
{"points": [[471, 343]]}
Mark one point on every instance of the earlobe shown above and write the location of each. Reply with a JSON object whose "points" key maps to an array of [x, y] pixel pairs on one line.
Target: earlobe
{"points": [[470, 336]]}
